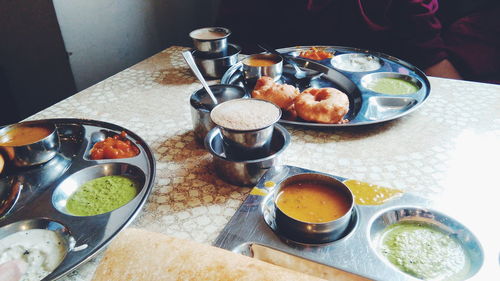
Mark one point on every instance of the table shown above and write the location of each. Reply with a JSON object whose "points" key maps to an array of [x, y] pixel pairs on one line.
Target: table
{"points": [[446, 151]]}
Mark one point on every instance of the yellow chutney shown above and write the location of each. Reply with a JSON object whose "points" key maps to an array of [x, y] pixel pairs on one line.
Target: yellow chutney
{"points": [[371, 194], [312, 202]]}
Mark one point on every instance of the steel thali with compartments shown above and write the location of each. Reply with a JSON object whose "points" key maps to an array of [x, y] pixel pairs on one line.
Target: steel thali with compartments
{"points": [[252, 231], [41, 192], [365, 106]]}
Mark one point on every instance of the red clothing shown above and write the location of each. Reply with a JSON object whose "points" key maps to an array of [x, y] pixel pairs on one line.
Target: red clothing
{"points": [[408, 29]]}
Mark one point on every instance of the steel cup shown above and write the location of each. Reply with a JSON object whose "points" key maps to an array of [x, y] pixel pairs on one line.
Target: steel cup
{"points": [[210, 40], [245, 172], [215, 67], [248, 144], [313, 233], [253, 71], [201, 105], [35, 153]]}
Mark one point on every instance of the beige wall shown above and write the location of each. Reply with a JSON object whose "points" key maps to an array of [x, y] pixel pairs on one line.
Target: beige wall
{"points": [[102, 37]]}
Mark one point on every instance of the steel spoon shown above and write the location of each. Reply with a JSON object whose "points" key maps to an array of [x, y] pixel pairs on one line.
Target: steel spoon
{"points": [[190, 61]]}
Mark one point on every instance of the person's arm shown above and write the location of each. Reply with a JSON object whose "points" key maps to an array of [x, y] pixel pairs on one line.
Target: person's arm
{"points": [[443, 69]]}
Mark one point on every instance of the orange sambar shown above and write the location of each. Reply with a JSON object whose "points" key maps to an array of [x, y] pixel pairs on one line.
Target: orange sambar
{"points": [[24, 135], [260, 62], [312, 202]]}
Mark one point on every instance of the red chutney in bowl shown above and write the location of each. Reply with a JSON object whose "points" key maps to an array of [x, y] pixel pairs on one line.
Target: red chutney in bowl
{"points": [[114, 147]]}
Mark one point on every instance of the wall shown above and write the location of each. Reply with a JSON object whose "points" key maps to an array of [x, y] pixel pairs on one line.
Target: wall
{"points": [[34, 68], [103, 37]]}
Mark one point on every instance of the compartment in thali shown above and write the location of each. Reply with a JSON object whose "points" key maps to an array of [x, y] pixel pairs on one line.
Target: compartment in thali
{"points": [[41, 243], [98, 189], [383, 107], [356, 62], [30, 183], [293, 262], [391, 83], [72, 137], [110, 145], [425, 244], [10, 189]]}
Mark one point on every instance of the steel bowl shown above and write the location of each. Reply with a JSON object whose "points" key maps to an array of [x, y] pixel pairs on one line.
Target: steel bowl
{"points": [[248, 144], [313, 233], [35, 153], [201, 105], [216, 45], [212, 67], [254, 72], [245, 172]]}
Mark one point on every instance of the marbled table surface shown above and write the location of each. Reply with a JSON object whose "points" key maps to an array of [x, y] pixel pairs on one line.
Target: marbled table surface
{"points": [[447, 150]]}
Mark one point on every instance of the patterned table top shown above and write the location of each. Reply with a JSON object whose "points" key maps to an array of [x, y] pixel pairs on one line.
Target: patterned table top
{"points": [[446, 150]]}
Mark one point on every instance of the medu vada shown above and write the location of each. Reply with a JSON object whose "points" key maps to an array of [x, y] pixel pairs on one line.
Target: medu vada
{"points": [[325, 105], [282, 95]]}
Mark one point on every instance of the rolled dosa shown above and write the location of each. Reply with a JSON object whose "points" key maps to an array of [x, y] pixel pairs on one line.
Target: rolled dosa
{"points": [[141, 255]]}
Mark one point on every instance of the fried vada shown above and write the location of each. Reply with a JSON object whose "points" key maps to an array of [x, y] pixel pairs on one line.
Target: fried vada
{"points": [[325, 105], [283, 95]]}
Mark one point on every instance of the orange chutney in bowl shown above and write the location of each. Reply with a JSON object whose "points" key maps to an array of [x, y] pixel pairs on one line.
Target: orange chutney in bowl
{"points": [[312, 202]]}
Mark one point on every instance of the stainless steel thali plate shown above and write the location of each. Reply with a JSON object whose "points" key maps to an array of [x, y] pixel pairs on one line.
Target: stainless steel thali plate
{"points": [[253, 228], [366, 106], [45, 188]]}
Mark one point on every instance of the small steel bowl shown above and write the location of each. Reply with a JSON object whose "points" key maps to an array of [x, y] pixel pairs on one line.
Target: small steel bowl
{"points": [[245, 172], [247, 144], [35, 153], [313, 233], [254, 72], [215, 67], [214, 44], [201, 105]]}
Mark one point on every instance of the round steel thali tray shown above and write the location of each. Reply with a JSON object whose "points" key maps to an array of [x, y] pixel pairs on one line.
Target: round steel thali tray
{"points": [[365, 106], [44, 189]]}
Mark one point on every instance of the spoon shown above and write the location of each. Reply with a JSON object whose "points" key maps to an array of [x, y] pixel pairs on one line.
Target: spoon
{"points": [[190, 61], [299, 73]]}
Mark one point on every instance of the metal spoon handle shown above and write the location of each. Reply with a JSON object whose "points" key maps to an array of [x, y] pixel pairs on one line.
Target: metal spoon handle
{"points": [[190, 61]]}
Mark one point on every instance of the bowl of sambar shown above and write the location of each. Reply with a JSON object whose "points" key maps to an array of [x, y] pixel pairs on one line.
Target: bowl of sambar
{"points": [[313, 208], [29, 143]]}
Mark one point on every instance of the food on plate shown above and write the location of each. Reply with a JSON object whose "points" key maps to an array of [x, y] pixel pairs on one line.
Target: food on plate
{"points": [[42, 250], [356, 62], [260, 61], [245, 114], [283, 95], [102, 195], [114, 147], [315, 53], [324, 105], [392, 86], [24, 135], [142, 255], [424, 251], [312, 202], [371, 194]]}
